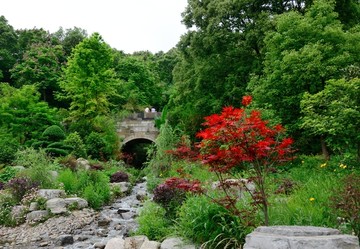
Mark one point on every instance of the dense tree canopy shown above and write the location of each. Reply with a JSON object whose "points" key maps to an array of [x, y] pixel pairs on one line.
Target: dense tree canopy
{"points": [[334, 114], [286, 54], [140, 85], [302, 54], [219, 53], [40, 66], [22, 113], [69, 38]]}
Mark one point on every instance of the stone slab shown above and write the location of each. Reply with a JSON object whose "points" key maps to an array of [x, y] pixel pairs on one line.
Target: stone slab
{"points": [[299, 237]]}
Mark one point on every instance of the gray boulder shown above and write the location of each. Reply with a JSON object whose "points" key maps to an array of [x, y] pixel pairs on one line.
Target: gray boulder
{"points": [[56, 205], [79, 202], [51, 193], [115, 243], [299, 237], [123, 186], [150, 245], [33, 206], [18, 212], [82, 163], [37, 215], [135, 242], [178, 243], [64, 240]]}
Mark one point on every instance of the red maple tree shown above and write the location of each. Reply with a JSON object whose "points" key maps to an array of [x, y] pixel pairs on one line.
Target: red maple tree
{"points": [[236, 138]]}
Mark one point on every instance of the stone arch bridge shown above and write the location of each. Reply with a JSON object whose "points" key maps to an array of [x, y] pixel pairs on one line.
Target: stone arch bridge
{"points": [[138, 126]]}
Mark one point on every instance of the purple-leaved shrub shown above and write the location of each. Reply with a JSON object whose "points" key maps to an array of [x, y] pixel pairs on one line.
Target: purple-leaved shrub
{"points": [[20, 186], [119, 177]]}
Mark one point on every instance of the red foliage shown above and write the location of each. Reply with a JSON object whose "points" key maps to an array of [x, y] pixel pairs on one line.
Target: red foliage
{"points": [[184, 184], [184, 151], [246, 100], [235, 137]]}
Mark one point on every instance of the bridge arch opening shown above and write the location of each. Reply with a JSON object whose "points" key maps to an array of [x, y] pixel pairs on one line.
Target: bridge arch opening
{"points": [[135, 151]]}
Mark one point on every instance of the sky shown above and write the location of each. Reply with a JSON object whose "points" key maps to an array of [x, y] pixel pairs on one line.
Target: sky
{"points": [[127, 25]]}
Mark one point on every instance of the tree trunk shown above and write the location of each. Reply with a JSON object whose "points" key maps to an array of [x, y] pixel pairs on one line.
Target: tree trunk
{"points": [[324, 149]]}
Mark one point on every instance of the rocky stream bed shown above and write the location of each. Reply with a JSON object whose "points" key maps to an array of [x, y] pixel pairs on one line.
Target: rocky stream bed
{"points": [[84, 228]]}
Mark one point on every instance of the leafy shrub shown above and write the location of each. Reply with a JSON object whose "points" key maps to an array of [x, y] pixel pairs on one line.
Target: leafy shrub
{"points": [[346, 202], [69, 162], [107, 128], [172, 193], [7, 173], [58, 149], [97, 195], [95, 145], [119, 176], [54, 133], [8, 148], [78, 148], [38, 165], [169, 198], [152, 222], [39, 144], [205, 222], [69, 180], [20, 186], [61, 145], [56, 152], [91, 185], [29, 157], [96, 167], [100, 188], [6, 204]]}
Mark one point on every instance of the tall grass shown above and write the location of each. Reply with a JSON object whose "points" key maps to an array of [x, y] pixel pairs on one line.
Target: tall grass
{"points": [[309, 203]]}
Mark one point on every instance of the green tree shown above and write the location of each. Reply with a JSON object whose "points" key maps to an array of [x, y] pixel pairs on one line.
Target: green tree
{"points": [[8, 146], [349, 12], [302, 54], [69, 38], [219, 53], [8, 49], [74, 140], [29, 37], [89, 80], [334, 115], [40, 66], [224, 48], [22, 113], [139, 83]]}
